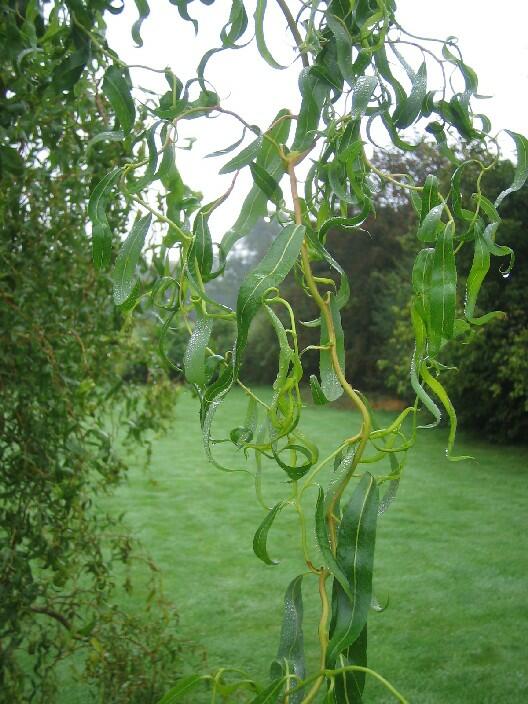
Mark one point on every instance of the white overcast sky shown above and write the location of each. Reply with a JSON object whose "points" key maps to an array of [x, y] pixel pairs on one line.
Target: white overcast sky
{"points": [[492, 36]]}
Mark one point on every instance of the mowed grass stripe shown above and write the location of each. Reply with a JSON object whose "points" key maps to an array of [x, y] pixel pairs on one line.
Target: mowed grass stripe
{"points": [[451, 553]]}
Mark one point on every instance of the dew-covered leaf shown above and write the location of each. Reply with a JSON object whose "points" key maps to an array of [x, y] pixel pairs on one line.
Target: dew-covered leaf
{"points": [[269, 273], [260, 539], [101, 232], [364, 87], [350, 685], [430, 196], [116, 87], [255, 203], [317, 393], [344, 45], [443, 288], [409, 109], [195, 352], [323, 542], [114, 136], [124, 274], [330, 384], [484, 247], [431, 224], [355, 555], [521, 168], [314, 91], [290, 654]]}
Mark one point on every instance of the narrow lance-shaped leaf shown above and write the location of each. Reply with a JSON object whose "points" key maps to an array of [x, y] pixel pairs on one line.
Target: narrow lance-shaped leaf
{"points": [[167, 171], [116, 136], [182, 688], [477, 274], [429, 227], [498, 250], [323, 542], [456, 112], [364, 87], [487, 207], [269, 273], [382, 64], [417, 362], [469, 75], [343, 468], [443, 288], [69, 71], [150, 175], [236, 25], [355, 555], [484, 247], [194, 356], [123, 276], [255, 204], [407, 111], [314, 91], [203, 242], [430, 196], [229, 148], [260, 538], [259, 35], [269, 694], [144, 11], [266, 183], [243, 158], [229, 34], [116, 87], [330, 384], [344, 45], [337, 181], [438, 132], [521, 168], [350, 685], [437, 388], [456, 195], [295, 471], [317, 393], [349, 223], [421, 281], [101, 232], [290, 655], [182, 11]]}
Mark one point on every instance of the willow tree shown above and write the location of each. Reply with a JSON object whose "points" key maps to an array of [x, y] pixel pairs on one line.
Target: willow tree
{"points": [[359, 70], [63, 398]]}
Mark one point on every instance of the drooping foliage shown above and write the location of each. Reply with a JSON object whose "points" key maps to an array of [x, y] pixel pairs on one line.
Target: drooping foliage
{"points": [[486, 376], [361, 72], [67, 410]]}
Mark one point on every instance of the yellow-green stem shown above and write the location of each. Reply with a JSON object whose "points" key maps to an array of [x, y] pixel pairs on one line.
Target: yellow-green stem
{"points": [[323, 637], [350, 392], [364, 433]]}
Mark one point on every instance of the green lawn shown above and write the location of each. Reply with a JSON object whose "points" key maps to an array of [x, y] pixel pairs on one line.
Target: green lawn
{"points": [[451, 554]]}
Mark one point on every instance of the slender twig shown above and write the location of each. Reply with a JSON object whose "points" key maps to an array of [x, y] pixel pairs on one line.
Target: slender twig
{"points": [[52, 614], [294, 30]]}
